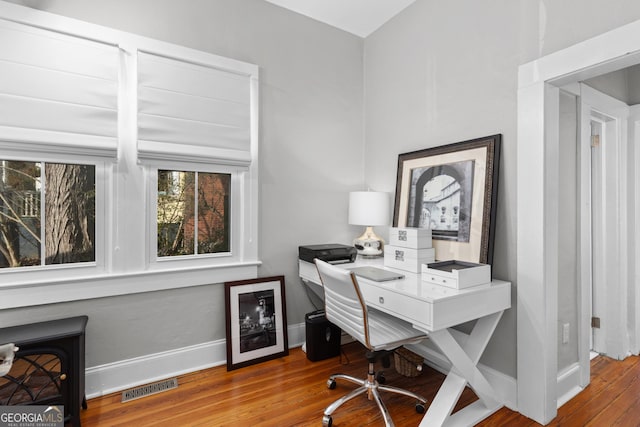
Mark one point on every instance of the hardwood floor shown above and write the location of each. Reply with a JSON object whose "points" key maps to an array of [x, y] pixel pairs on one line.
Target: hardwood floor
{"points": [[292, 391]]}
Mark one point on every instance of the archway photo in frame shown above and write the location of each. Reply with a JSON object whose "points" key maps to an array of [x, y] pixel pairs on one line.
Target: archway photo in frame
{"points": [[256, 321], [453, 190]]}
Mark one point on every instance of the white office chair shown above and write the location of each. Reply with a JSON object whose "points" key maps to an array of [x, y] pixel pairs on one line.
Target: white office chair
{"points": [[379, 332]]}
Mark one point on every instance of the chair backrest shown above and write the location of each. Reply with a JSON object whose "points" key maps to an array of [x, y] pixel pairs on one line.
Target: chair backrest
{"points": [[344, 304]]}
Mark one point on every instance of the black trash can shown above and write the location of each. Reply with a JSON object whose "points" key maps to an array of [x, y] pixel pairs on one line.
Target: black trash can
{"points": [[322, 336]]}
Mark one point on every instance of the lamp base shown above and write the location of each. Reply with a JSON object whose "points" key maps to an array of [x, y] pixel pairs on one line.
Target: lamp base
{"points": [[369, 244]]}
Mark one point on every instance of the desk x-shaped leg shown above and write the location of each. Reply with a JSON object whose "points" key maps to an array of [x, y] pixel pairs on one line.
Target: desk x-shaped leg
{"points": [[464, 354]]}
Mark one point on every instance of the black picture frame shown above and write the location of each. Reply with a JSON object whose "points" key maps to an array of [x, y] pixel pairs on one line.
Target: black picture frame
{"points": [[256, 321], [463, 228]]}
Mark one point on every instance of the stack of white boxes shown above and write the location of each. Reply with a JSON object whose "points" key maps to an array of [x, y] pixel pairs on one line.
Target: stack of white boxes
{"points": [[409, 248], [456, 274]]}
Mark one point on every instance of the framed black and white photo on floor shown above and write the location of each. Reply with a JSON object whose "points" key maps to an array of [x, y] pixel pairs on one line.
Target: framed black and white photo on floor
{"points": [[255, 321]]}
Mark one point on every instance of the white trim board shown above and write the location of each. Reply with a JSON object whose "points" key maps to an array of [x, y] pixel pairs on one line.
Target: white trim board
{"points": [[569, 384], [537, 269], [117, 376], [114, 377]]}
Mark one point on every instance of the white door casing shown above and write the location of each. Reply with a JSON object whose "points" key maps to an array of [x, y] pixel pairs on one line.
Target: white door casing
{"points": [[634, 229], [537, 290], [591, 142], [603, 152]]}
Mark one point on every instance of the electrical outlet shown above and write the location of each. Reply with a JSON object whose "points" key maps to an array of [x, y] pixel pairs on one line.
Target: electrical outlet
{"points": [[565, 333]]}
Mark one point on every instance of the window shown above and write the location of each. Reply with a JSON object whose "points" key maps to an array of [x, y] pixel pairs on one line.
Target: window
{"points": [[127, 164], [196, 140], [193, 213], [46, 218]]}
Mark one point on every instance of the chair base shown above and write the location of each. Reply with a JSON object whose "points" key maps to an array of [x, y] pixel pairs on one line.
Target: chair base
{"points": [[371, 387]]}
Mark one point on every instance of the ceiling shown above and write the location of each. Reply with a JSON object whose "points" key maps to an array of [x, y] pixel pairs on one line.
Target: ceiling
{"points": [[359, 17]]}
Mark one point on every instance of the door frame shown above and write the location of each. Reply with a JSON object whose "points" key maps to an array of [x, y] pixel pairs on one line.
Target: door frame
{"points": [[612, 115], [537, 225], [634, 252]]}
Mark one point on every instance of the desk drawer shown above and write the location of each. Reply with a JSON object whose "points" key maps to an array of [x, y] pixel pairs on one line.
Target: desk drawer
{"points": [[440, 280], [456, 274], [410, 309]]}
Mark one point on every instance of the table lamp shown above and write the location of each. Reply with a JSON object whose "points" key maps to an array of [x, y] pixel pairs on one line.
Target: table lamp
{"points": [[369, 208]]}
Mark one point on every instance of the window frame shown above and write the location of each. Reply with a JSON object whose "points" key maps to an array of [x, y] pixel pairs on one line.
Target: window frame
{"points": [[37, 273], [123, 264], [236, 205]]}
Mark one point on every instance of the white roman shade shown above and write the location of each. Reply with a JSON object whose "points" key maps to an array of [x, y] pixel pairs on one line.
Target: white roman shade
{"points": [[58, 93], [192, 112]]}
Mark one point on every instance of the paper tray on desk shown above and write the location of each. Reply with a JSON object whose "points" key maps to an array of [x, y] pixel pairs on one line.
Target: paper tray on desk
{"points": [[456, 274]]}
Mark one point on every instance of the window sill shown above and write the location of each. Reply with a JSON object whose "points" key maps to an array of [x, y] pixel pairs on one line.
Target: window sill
{"points": [[114, 284]]}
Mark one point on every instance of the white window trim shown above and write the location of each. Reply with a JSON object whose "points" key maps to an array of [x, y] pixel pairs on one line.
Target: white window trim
{"points": [[126, 267], [238, 203], [28, 275]]}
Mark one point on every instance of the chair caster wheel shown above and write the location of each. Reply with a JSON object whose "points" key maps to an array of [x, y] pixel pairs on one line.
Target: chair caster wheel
{"points": [[327, 421], [331, 384], [420, 408], [380, 378]]}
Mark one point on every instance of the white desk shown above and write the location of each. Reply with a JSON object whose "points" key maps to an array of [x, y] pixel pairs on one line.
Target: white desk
{"points": [[435, 309]]}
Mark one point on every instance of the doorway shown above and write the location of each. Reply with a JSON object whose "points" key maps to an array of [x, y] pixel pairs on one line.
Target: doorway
{"points": [[538, 217], [604, 196]]}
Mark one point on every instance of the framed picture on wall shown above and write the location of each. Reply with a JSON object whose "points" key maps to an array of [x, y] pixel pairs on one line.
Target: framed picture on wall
{"points": [[453, 190], [256, 321]]}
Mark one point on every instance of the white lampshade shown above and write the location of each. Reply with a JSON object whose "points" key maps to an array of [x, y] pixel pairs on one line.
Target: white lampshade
{"points": [[369, 208]]}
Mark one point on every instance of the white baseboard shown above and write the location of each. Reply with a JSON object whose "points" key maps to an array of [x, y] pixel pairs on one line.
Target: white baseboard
{"points": [[504, 385], [568, 384], [122, 375], [118, 376], [296, 335]]}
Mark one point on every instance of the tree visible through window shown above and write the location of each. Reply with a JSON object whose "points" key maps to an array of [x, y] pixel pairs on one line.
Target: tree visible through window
{"points": [[193, 213], [63, 228]]}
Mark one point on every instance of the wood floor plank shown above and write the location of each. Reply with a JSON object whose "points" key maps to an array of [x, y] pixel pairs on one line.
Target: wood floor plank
{"points": [[292, 391], [622, 398], [597, 397]]}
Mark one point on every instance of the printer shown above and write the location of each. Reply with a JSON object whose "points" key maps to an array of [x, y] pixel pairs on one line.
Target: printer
{"points": [[333, 253]]}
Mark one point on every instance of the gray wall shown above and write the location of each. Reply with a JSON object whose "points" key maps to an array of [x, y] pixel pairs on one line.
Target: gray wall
{"points": [[622, 84], [311, 143], [443, 72], [615, 84]]}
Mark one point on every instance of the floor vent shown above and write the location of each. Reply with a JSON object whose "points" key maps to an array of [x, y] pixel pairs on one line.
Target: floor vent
{"points": [[149, 389]]}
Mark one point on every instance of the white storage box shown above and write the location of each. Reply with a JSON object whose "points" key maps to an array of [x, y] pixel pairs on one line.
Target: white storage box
{"points": [[407, 259], [456, 274], [415, 238]]}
